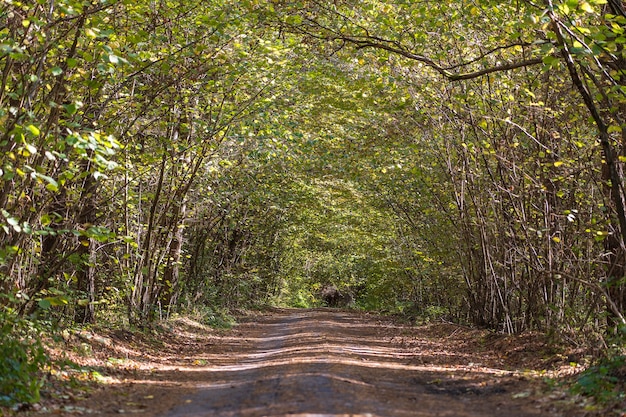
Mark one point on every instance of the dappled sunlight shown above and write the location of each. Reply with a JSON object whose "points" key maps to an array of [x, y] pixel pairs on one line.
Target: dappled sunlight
{"points": [[324, 360], [316, 362]]}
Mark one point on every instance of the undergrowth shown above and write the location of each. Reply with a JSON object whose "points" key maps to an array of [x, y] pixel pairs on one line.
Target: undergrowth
{"points": [[22, 356], [214, 317], [605, 383]]}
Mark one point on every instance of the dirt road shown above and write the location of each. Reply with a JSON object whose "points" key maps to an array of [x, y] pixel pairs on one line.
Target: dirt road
{"points": [[327, 363]]}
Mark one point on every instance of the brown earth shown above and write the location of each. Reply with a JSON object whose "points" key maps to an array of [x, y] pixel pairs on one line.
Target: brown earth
{"points": [[320, 362]]}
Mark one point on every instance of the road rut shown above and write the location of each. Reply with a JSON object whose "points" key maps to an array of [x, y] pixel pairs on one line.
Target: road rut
{"points": [[335, 363]]}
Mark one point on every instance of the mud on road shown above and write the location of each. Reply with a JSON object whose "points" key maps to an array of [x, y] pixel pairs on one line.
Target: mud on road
{"points": [[324, 362]]}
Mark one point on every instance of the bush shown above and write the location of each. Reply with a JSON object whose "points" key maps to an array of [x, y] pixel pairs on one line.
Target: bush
{"points": [[21, 357], [219, 318], [604, 382]]}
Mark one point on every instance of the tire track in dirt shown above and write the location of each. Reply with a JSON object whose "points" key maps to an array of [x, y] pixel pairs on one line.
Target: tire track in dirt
{"points": [[334, 363]]}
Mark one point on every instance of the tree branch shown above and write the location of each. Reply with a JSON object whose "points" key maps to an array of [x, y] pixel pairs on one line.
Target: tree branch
{"points": [[603, 134], [489, 52], [497, 68], [371, 41], [396, 49]]}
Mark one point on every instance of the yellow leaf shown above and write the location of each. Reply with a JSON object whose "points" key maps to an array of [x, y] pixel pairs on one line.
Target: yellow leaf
{"points": [[33, 129], [558, 163], [90, 33], [556, 239], [586, 7]]}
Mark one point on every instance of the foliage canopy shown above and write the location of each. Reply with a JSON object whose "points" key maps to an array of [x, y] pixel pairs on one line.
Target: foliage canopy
{"points": [[463, 158]]}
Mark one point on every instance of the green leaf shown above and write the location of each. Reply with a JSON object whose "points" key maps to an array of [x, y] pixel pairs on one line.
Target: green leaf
{"points": [[70, 108], [294, 20], [57, 301], [52, 184], [549, 60]]}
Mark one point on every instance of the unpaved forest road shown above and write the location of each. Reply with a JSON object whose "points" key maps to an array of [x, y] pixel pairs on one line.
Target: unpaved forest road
{"points": [[326, 362]]}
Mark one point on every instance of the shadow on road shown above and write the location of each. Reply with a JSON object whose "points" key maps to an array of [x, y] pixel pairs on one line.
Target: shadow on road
{"points": [[334, 363]]}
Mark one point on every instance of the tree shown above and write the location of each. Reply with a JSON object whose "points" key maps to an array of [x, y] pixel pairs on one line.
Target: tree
{"points": [[521, 44]]}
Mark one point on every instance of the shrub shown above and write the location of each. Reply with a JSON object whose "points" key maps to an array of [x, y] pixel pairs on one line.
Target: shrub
{"points": [[21, 357], [605, 381]]}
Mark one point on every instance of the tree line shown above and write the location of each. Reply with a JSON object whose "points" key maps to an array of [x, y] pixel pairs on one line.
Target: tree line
{"points": [[463, 160]]}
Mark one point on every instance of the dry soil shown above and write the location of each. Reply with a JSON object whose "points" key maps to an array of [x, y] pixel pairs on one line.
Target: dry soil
{"points": [[319, 362]]}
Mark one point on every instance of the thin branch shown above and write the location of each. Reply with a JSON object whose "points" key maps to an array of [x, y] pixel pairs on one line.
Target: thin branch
{"points": [[603, 134], [497, 68], [613, 307], [489, 52], [397, 48]]}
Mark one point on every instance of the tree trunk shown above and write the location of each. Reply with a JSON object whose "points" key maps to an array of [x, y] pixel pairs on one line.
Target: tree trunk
{"points": [[171, 273], [86, 281]]}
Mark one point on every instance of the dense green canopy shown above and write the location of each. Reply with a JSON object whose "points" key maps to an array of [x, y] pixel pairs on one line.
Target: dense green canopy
{"points": [[461, 159]]}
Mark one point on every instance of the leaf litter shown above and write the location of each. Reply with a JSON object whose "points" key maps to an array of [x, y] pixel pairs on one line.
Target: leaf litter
{"points": [[310, 362]]}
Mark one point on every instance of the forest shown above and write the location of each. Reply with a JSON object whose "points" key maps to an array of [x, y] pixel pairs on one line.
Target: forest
{"points": [[462, 161]]}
